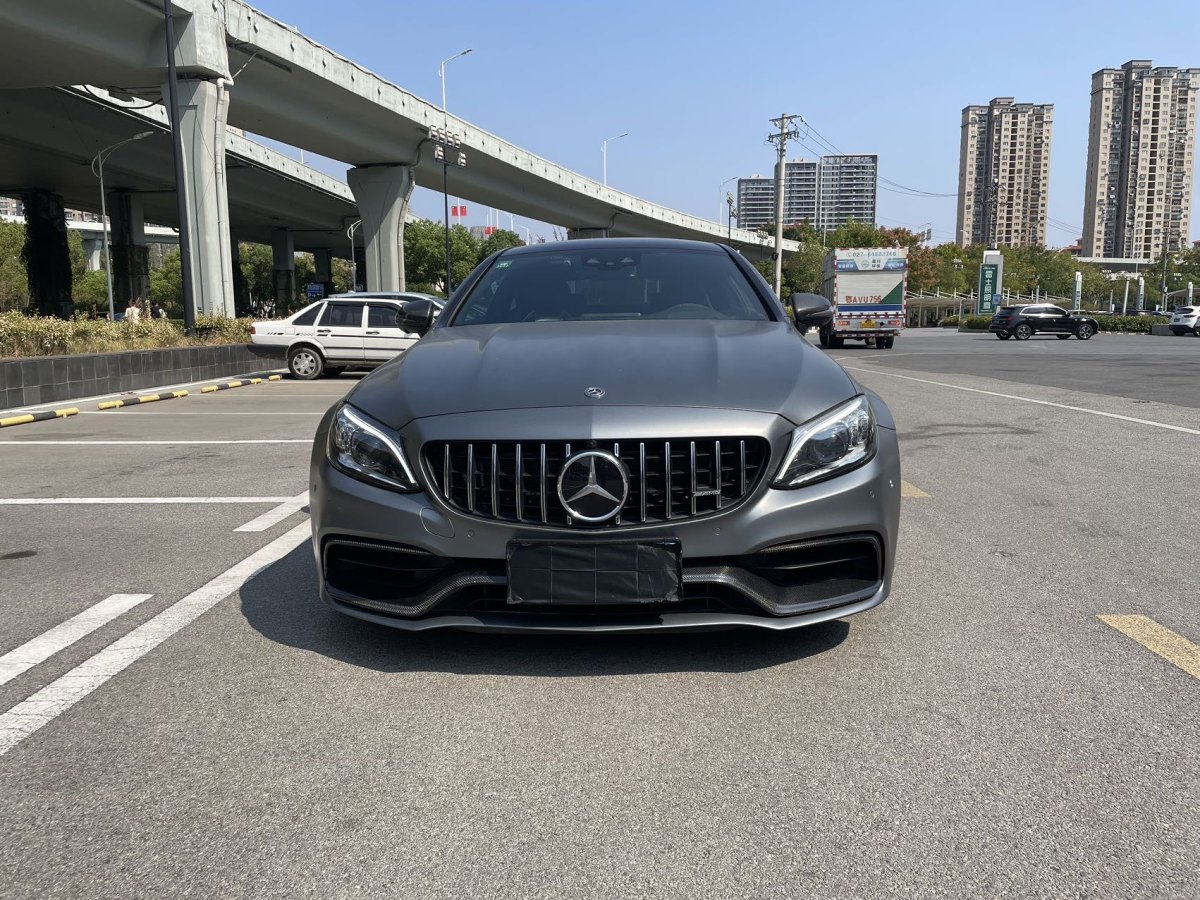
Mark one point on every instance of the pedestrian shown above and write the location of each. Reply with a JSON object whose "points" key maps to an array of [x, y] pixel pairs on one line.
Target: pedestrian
{"points": [[132, 311], [157, 312]]}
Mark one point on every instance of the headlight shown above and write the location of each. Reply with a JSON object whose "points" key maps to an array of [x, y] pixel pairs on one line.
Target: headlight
{"points": [[364, 449], [835, 442]]}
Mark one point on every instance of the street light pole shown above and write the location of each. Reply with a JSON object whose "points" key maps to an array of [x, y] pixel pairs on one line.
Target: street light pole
{"points": [[98, 170], [442, 76], [353, 256], [604, 152]]}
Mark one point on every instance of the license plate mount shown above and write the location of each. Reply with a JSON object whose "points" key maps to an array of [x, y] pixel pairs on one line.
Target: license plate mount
{"points": [[605, 573]]}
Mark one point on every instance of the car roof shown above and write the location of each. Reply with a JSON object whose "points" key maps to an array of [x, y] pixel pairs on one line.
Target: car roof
{"points": [[583, 245]]}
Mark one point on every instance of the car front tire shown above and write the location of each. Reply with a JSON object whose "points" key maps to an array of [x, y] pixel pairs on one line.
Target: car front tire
{"points": [[1084, 333], [1023, 332], [305, 363]]}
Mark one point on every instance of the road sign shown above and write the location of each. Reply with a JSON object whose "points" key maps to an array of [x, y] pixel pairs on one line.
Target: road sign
{"points": [[988, 296], [315, 290]]}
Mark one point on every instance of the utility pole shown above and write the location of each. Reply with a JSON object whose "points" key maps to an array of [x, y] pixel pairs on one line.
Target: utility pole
{"points": [[787, 130]]}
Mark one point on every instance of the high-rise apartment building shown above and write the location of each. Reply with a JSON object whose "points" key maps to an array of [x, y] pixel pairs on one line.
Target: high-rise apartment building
{"points": [[847, 190], [1141, 154], [825, 193], [1004, 173]]}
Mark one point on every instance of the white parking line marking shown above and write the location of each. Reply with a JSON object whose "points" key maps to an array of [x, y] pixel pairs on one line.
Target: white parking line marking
{"points": [[61, 694], [1093, 412], [17, 443], [273, 517], [136, 501], [42, 647]]}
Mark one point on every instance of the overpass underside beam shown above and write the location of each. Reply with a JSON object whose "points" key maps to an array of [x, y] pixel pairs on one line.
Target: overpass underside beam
{"points": [[382, 193], [203, 107]]}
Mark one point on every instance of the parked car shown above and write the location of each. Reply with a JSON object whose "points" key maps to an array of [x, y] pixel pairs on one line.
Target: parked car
{"points": [[1023, 322], [344, 331], [608, 435], [1186, 320]]}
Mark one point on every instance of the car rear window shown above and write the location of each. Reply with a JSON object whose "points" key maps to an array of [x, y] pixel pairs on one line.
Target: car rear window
{"points": [[308, 316], [1185, 311], [617, 283]]}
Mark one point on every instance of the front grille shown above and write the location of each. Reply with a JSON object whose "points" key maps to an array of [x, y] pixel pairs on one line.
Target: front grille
{"points": [[669, 480]]}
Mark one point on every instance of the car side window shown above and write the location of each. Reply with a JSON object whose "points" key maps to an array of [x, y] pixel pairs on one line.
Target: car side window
{"points": [[308, 316], [1055, 311], [379, 316], [342, 315]]}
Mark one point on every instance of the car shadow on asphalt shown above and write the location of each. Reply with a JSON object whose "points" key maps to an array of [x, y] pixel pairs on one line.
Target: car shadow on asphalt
{"points": [[281, 603]]}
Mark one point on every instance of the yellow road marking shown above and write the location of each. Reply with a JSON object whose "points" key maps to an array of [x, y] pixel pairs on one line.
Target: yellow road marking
{"points": [[912, 491], [1172, 647]]}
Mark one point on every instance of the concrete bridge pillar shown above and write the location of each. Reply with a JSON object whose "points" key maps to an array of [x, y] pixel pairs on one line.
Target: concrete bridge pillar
{"points": [[323, 264], [130, 255], [93, 249], [48, 260], [381, 193], [284, 279], [203, 108]]}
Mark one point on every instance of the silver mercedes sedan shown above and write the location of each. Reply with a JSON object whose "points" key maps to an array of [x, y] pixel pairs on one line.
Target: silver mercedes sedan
{"points": [[608, 435]]}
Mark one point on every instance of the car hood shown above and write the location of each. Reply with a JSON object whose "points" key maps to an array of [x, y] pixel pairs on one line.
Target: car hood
{"points": [[761, 366]]}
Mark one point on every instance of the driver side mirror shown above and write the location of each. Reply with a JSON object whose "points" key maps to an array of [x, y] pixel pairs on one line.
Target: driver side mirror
{"points": [[811, 310], [417, 316]]}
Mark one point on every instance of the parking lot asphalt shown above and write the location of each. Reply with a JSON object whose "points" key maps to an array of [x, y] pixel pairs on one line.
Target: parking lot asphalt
{"points": [[982, 733]]}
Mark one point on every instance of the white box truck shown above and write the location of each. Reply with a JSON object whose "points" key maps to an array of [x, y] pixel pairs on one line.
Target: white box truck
{"points": [[867, 287]]}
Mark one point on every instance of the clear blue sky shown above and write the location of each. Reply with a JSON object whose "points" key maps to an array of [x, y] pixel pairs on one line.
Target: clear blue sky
{"points": [[695, 83]]}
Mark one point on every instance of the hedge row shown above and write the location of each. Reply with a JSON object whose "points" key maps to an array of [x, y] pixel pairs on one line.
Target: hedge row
{"points": [[22, 335]]}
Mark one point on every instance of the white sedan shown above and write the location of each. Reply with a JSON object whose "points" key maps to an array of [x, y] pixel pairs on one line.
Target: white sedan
{"points": [[344, 331]]}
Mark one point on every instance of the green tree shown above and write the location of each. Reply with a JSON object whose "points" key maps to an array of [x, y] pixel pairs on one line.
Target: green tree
{"points": [[14, 284], [425, 254], [340, 270], [89, 292], [500, 239], [166, 286]]}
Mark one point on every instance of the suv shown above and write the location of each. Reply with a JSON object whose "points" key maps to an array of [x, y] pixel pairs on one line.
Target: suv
{"points": [[1186, 320], [1023, 322], [346, 331]]}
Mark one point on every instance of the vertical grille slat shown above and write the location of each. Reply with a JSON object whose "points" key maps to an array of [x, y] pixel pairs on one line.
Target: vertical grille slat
{"points": [[669, 480], [470, 478], [542, 485], [520, 486], [642, 477], [495, 483]]}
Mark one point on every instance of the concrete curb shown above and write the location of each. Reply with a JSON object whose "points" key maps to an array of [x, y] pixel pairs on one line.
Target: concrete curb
{"points": [[240, 382], [39, 416], [136, 401]]}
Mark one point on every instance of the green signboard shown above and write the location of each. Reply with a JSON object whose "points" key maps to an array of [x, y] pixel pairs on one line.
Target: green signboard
{"points": [[986, 304]]}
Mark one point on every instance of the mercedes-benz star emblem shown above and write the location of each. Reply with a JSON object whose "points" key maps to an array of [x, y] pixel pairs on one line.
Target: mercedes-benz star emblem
{"points": [[593, 486], [594, 392]]}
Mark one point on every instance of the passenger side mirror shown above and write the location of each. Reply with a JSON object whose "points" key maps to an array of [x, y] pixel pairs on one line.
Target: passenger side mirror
{"points": [[417, 316], [811, 310]]}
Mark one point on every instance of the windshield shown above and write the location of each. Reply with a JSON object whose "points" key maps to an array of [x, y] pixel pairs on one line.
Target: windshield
{"points": [[612, 284]]}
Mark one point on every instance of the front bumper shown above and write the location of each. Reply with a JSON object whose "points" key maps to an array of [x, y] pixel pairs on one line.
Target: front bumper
{"points": [[778, 560]]}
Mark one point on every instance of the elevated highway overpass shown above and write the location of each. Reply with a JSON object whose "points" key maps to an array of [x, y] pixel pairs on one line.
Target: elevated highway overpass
{"points": [[241, 68]]}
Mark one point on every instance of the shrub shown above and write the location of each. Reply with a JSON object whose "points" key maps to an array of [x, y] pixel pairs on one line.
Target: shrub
{"points": [[977, 323], [949, 322], [22, 335], [1131, 324]]}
